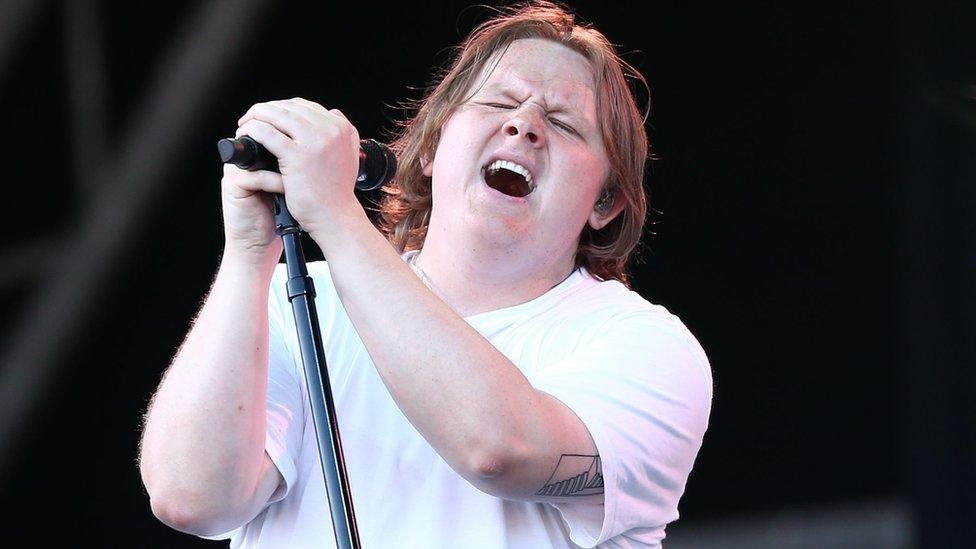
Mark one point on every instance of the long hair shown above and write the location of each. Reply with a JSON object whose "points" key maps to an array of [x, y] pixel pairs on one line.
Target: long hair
{"points": [[406, 204]]}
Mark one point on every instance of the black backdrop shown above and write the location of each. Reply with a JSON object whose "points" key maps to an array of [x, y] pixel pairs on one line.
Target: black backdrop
{"points": [[785, 233]]}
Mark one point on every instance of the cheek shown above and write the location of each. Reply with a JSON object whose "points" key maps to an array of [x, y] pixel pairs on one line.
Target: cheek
{"points": [[588, 174], [448, 167], [453, 143]]}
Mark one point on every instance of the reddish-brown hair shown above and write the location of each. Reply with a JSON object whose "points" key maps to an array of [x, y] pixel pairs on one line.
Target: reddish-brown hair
{"points": [[405, 208]]}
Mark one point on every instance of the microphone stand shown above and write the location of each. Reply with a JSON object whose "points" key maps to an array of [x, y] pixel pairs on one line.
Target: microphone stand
{"points": [[377, 164], [301, 295]]}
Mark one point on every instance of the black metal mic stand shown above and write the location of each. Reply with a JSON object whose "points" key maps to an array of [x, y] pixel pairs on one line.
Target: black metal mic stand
{"points": [[301, 295]]}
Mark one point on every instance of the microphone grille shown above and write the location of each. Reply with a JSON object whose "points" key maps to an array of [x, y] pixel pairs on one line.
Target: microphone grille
{"points": [[379, 167]]}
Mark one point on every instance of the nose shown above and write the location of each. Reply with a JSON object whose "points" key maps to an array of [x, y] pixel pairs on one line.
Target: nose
{"points": [[525, 124]]}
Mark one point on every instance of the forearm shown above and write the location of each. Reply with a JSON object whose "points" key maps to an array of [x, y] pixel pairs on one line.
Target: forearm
{"points": [[464, 396], [203, 443]]}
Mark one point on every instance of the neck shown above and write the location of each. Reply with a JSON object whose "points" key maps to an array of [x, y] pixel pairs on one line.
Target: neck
{"points": [[475, 278]]}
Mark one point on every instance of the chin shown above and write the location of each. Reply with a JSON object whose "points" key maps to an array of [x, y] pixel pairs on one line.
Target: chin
{"points": [[501, 230]]}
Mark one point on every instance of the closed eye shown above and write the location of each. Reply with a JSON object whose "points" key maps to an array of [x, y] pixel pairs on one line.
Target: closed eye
{"points": [[554, 121], [563, 126]]}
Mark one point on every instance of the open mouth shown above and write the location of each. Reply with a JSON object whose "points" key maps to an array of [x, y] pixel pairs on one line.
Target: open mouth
{"points": [[509, 178]]}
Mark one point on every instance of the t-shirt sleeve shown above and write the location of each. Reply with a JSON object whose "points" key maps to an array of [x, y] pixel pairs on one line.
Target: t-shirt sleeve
{"points": [[643, 389], [285, 417]]}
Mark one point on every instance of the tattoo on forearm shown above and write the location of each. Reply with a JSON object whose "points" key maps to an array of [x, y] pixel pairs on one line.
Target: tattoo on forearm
{"points": [[575, 475]]}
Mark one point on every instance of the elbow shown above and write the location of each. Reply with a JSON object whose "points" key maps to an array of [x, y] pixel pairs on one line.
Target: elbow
{"points": [[495, 472], [493, 460], [198, 508], [171, 505], [188, 513], [176, 516], [487, 466]]}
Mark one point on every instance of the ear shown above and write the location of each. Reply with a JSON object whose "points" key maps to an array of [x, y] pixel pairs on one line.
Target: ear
{"points": [[427, 167], [599, 218]]}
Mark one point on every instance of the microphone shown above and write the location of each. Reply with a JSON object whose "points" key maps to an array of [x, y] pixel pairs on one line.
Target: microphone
{"points": [[377, 163]]}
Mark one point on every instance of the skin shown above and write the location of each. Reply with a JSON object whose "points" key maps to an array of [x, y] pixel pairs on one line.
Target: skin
{"points": [[203, 459]]}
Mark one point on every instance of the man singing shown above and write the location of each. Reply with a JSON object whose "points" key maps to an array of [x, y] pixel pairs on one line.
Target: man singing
{"points": [[496, 382]]}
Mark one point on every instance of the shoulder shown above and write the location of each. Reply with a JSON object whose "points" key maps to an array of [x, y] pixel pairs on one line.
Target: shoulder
{"points": [[649, 331], [618, 306]]}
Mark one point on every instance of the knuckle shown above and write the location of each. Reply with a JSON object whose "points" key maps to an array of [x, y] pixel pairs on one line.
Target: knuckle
{"points": [[252, 123], [254, 109], [259, 130], [250, 127]]}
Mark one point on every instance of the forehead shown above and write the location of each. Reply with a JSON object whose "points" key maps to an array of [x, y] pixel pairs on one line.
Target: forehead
{"points": [[537, 66]]}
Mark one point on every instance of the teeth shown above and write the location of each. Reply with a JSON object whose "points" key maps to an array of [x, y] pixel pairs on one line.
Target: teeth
{"points": [[511, 166]]}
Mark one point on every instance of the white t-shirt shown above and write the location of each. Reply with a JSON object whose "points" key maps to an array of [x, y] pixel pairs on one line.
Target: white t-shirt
{"points": [[631, 371]]}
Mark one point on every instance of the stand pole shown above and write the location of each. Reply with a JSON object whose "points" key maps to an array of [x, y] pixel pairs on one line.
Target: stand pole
{"points": [[301, 295]]}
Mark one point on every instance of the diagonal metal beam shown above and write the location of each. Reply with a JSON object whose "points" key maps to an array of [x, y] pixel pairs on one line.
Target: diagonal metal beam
{"points": [[184, 81], [25, 261], [87, 97]]}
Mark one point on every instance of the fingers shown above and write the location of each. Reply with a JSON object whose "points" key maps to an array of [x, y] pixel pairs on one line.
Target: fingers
{"points": [[270, 136], [309, 106], [252, 182], [289, 121], [296, 118]]}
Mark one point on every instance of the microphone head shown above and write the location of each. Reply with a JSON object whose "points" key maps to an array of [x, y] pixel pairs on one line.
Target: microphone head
{"points": [[231, 150], [246, 153], [378, 165]]}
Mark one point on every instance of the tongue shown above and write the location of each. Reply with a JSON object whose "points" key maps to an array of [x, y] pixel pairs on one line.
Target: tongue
{"points": [[508, 182]]}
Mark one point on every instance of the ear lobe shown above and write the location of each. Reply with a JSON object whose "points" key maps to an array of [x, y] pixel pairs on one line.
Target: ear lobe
{"points": [[427, 167]]}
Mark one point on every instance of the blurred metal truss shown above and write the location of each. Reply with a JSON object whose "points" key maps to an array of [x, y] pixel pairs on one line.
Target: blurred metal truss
{"points": [[127, 178]]}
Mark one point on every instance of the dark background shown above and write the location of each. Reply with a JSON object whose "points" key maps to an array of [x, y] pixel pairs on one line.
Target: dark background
{"points": [[812, 227]]}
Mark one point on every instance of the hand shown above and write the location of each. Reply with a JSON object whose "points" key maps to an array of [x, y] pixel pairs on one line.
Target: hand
{"points": [[248, 215], [318, 157]]}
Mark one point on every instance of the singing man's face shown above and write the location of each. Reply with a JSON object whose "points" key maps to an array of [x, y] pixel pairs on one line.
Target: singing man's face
{"points": [[536, 109]]}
